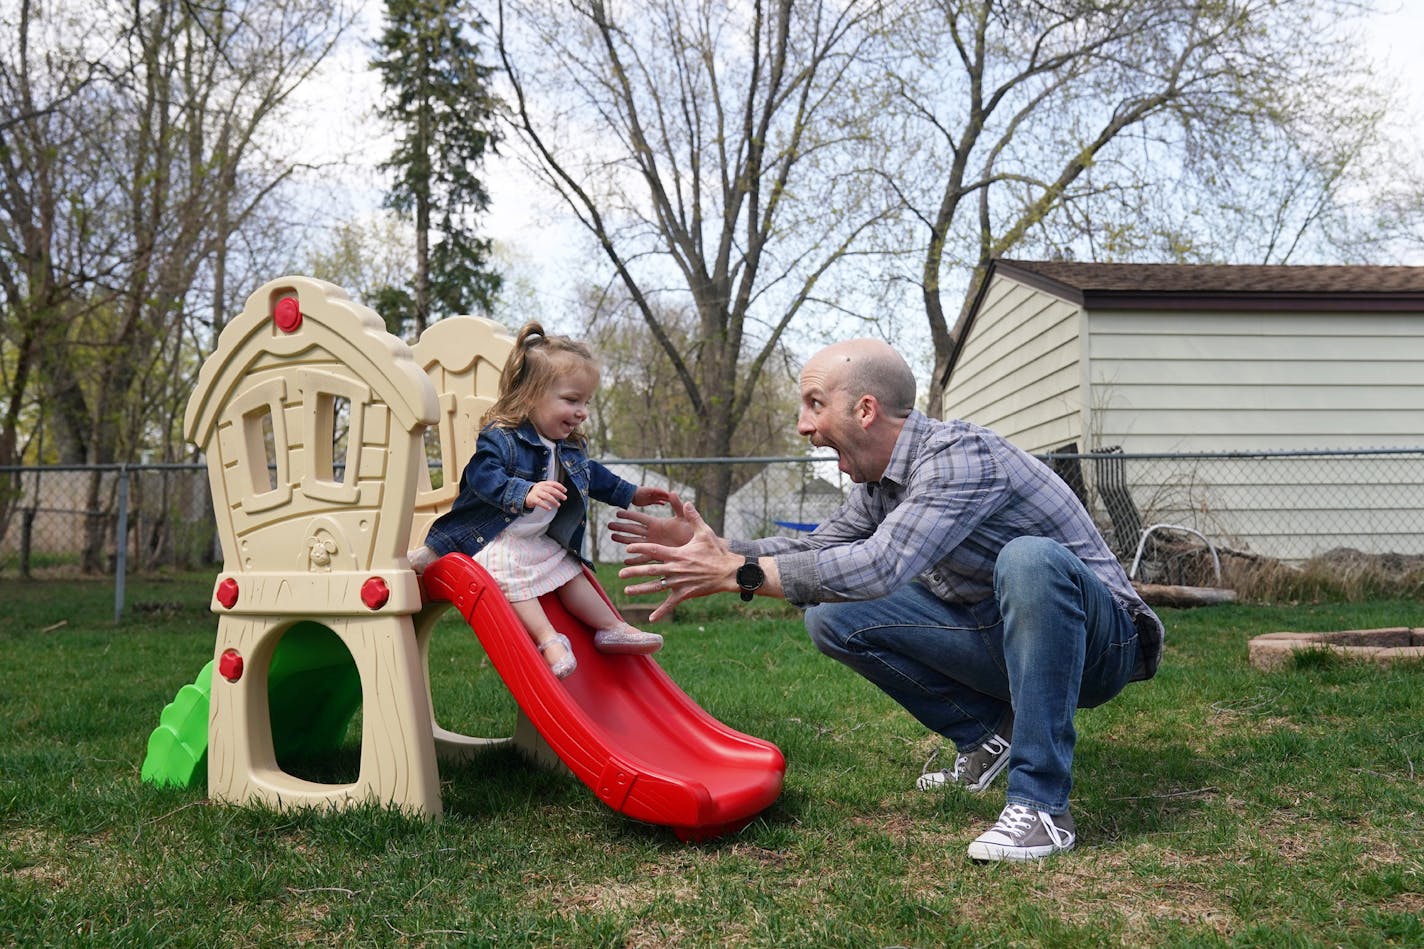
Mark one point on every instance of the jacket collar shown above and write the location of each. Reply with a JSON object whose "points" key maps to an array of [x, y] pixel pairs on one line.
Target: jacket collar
{"points": [[529, 435]]}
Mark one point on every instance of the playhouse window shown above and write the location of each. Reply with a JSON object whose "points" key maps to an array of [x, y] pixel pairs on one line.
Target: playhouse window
{"points": [[341, 429], [262, 446], [434, 460], [334, 410], [268, 464]]}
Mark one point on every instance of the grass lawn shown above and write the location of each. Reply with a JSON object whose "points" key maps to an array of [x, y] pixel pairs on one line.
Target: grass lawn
{"points": [[1217, 805]]}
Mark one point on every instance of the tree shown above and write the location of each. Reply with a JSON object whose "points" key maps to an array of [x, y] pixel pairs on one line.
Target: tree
{"points": [[125, 166], [1113, 125], [642, 412], [716, 155], [369, 260], [441, 106]]}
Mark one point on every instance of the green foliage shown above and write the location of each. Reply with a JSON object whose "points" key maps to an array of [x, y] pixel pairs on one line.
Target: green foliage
{"points": [[439, 100]]}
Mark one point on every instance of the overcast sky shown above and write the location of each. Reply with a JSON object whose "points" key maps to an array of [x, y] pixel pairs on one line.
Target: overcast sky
{"points": [[540, 236]]}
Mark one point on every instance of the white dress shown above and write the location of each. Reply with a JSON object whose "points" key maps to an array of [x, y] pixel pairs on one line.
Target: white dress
{"points": [[524, 560]]}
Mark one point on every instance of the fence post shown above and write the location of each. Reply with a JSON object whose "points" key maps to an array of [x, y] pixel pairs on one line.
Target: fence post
{"points": [[121, 544], [27, 538]]}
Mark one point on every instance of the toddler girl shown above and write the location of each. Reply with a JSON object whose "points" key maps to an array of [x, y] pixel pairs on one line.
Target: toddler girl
{"points": [[523, 502]]}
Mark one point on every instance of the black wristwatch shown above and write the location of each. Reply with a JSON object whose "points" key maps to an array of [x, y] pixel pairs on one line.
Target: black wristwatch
{"points": [[750, 577]]}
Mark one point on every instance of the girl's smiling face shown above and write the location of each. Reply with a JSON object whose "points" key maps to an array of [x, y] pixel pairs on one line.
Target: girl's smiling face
{"points": [[563, 407]]}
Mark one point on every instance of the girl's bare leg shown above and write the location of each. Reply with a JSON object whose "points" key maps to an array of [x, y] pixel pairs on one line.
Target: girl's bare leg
{"points": [[552, 644], [585, 603], [611, 633]]}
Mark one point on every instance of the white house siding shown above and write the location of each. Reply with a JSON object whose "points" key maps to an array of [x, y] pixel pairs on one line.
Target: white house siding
{"points": [[787, 492], [1228, 381], [1184, 381], [1019, 372], [1199, 381]]}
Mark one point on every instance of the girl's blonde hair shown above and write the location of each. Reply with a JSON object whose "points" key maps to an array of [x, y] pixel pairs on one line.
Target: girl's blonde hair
{"points": [[536, 364]]}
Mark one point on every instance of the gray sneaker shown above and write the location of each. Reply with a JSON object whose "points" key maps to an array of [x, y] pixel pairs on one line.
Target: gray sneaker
{"points": [[977, 769], [1023, 833]]}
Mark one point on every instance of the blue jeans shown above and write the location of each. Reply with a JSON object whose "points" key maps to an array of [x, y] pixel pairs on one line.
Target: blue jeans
{"points": [[1051, 640]]}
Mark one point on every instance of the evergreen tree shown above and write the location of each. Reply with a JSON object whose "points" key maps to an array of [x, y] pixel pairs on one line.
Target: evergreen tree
{"points": [[440, 102]]}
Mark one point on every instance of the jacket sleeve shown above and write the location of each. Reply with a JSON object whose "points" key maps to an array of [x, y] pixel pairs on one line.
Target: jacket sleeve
{"points": [[488, 475], [605, 486]]}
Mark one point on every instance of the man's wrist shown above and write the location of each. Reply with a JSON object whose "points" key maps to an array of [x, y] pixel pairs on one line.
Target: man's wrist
{"points": [[750, 577]]}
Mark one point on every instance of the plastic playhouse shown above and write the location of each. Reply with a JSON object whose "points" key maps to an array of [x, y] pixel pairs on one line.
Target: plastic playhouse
{"points": [[313, 420]]}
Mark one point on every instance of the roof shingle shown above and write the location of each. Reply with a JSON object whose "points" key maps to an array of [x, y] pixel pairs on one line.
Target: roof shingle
{"points": [[1223, 278]]}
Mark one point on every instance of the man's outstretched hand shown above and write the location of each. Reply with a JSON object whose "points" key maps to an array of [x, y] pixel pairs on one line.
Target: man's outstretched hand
{"points": [[696, 563]]}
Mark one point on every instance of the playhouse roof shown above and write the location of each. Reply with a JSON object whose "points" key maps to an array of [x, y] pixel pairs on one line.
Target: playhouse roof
{"points": [[323, 316]]}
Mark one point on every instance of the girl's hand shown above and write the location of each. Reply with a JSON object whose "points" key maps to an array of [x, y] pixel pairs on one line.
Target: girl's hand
{"points": [[648, 495], [635, 527], [545, 494]]}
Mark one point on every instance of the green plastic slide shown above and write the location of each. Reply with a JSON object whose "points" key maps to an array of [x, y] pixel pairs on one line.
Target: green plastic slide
{"points": [[313, 691]]}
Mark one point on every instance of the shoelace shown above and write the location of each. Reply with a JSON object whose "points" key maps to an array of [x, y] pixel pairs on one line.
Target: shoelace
{"points": [[1016, 820]]}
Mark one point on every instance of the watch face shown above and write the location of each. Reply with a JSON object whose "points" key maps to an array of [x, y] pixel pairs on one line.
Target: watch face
{"points": [[750, 576]]}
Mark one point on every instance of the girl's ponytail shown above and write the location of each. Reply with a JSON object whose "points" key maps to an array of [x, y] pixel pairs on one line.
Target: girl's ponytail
{"points": [[515, 370]]}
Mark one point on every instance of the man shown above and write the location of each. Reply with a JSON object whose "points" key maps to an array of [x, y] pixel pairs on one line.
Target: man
{"points": [[961, 576]]}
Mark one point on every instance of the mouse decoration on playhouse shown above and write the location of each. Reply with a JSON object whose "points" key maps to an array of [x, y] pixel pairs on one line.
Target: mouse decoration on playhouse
{"points": [[314, 422]]}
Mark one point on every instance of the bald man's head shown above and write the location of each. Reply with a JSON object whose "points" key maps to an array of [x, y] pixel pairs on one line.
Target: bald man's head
{"points": [[868, 367]]}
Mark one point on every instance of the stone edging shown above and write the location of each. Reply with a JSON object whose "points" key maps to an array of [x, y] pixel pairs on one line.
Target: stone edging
{"points": [[1273, 650]]}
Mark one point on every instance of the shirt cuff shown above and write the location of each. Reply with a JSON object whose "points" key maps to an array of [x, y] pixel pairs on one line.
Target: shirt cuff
{"points": [[800, 581]]}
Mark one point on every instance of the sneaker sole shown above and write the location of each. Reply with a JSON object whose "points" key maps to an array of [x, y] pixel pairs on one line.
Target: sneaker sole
{"points": [[991, 853]]}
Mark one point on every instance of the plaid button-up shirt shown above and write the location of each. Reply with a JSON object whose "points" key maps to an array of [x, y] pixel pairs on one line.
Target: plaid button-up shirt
{"points": [[951, 497]]}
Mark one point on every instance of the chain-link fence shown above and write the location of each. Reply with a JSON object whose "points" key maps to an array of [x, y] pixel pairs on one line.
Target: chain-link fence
{"points": [[1286, 506]]}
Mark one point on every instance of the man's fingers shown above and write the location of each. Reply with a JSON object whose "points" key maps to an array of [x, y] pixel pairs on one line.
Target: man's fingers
{"points": [[665, 607], [639, 589], [648, 551]]}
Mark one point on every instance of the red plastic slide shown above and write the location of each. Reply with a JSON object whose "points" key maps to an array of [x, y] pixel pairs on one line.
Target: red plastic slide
{"points": [[619, 722]]}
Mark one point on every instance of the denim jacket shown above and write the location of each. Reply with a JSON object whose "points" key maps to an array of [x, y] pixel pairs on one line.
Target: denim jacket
{"points": [[506, 464]]}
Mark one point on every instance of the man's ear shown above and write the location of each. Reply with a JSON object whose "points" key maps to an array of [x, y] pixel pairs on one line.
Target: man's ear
{"points": [[867, 410]]}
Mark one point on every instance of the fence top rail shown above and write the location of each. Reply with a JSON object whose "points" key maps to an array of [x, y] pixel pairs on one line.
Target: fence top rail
{"points": [[112, 466], [818, 459], [202, 466], [1257, 454]]}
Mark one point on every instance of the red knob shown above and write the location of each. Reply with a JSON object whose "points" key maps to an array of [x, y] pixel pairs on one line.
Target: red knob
{"points": [[227, 593], [375, 593], [230, 665], [288, 314]]}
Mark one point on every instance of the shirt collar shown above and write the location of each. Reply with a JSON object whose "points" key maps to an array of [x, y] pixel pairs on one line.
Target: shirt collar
{"points": [[902, 457]]}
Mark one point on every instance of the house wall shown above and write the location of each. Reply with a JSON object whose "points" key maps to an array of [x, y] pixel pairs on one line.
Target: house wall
{"points": [[1044, 373], [1205, 381], [1194, 381], [1019, 372]]}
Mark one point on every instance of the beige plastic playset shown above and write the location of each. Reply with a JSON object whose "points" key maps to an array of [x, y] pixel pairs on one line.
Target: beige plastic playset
{"points": [[314, 422]]}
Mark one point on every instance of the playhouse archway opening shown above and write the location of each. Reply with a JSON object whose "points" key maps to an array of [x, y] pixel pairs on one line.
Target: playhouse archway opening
{"points": [[313, 698]]}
